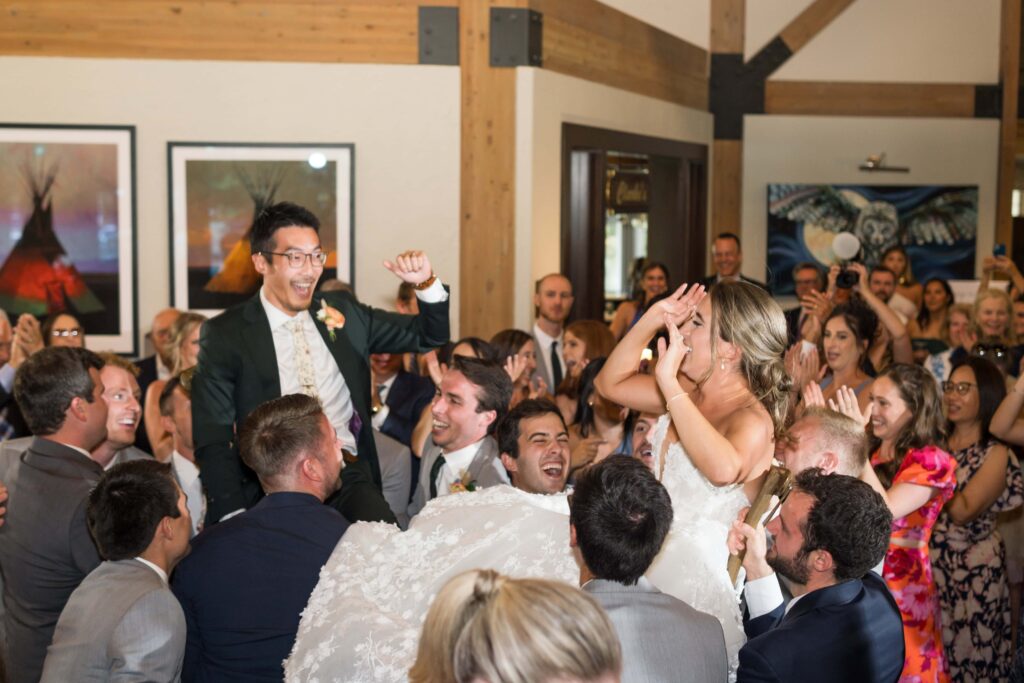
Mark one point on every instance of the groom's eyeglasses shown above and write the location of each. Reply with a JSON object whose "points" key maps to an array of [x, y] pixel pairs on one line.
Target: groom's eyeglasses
{"points": [[297, 259]]}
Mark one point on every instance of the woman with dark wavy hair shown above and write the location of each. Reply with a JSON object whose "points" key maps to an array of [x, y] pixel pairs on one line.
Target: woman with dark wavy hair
{"points": [[966, 549], [918, 478]]}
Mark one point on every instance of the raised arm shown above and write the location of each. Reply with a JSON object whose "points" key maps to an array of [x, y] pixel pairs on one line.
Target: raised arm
{"points": [[983, 489], [902, 349], [727, 458], [1007, 423], [618, 380]]}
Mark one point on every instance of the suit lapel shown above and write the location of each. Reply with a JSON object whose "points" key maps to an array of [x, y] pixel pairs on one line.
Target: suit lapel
{"points": [[260, 342], [344, 355], [483, 457]]}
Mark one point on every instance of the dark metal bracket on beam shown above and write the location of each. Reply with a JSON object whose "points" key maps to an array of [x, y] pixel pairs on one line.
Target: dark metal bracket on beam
{"points": [[516, 35], [439, 35]]}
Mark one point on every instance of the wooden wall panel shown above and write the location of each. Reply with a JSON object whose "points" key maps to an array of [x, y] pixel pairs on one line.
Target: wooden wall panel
{"points": [[375, 31], [589, 40], [811, 21], [726, 186], [728, 26], [869, 99], [487, 183], [1009, 75]]}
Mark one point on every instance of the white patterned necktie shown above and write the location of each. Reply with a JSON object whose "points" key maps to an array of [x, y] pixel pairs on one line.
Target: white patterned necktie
{"points": [[303, 358]]}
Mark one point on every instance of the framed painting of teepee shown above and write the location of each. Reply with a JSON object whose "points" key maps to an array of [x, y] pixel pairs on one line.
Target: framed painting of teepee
{"points": [[216, 190], [67, 227]]}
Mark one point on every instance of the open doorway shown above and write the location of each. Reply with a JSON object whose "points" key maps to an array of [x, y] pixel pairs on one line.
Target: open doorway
{"points": [[627, 198]]}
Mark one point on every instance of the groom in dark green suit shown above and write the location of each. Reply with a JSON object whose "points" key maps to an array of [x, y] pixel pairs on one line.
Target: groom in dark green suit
{"points": [[287, 340]]}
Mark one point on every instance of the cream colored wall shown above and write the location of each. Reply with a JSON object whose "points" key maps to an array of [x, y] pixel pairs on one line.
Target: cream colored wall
{"points": [[403, 121], [913, 41], [686, 19], [544, 101], [805, 149]]}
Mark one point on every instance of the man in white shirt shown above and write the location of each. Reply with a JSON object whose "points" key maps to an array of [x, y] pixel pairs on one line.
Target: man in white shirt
{"points": [[123, 622], [288, 339], [460, 454], [552, 302], [176, 417]]}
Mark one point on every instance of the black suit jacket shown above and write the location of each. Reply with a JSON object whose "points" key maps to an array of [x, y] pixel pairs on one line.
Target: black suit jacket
{"points": [[45, 547], [147, 375], [237, 371], [408, 396], [245, 583], [848, 632], [792, 324]]}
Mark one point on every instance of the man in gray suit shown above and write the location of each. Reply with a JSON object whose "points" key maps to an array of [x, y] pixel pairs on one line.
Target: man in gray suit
{"points": [[45, 547], [619, 515], [123, 622], [460, 453]]}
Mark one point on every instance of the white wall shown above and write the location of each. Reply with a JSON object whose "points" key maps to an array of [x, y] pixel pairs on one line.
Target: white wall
{"points": [[403, 120], [544, 101], [686, 19], [809, 149], [913, 41]]}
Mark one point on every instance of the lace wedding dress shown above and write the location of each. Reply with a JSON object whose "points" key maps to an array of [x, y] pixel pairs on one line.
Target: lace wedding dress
{"points": [[363, 620], [693, 563]]}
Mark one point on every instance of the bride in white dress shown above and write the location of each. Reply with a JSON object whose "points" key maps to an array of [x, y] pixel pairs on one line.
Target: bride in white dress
{"points": [[363, 619], [722, 381]]}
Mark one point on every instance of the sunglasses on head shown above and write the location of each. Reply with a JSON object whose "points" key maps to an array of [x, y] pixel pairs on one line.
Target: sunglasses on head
{"points": [[991, 351]]}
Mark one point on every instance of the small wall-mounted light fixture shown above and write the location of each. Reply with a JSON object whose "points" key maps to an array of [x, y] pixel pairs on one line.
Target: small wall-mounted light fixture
{"points": [[875, 163]]}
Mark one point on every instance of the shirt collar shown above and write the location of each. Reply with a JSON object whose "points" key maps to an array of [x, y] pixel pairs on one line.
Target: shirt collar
{"points": [[460, 459], [160, 572], [275, 316], [388, 383], [76, 448], [544, 338]]}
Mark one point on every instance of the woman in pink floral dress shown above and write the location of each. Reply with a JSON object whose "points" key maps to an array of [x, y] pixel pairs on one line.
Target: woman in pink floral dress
{"points": [[919, 477]]}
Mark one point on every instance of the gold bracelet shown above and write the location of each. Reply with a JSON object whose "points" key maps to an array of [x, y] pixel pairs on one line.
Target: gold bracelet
{"points": [[680, 394]]}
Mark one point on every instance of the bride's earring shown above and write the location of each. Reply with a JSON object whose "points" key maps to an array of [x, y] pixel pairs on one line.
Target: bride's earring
{"points": [[722, 365]]}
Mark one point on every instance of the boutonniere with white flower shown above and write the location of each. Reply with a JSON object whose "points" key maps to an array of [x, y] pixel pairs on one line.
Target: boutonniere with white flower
{"points": [[331, 317], [464, 483]]}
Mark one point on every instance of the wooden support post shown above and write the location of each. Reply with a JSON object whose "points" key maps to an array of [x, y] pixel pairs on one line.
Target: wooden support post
{"points": [[487, 187], [1009, 76], [726, 186]]}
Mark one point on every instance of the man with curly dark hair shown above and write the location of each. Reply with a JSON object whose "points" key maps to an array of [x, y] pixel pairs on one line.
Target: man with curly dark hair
{"points": [[842, 623]]}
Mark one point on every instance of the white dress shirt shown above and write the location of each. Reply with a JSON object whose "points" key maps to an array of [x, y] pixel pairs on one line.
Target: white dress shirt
{"points": [[160, 572], [455, 465], [330, 385], [381, 415], [187, 474], [544, 340]]}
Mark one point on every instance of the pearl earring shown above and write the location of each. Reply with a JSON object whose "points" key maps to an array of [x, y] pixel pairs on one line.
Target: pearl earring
{"points": [[722, 365]]}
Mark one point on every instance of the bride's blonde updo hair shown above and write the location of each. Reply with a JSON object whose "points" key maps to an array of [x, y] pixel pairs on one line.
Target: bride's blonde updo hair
{"points": [[746, 316]]}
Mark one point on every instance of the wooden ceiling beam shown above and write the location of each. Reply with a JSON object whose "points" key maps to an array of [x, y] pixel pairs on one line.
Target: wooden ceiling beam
{"points": [[835, 98]]}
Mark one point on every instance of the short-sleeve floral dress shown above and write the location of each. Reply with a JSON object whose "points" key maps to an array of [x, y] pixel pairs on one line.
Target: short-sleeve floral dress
{"points": [[908, 569]]}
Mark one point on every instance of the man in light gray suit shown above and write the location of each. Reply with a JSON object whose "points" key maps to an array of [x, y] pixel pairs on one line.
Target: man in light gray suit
{"points": [[123, 623], [619, 515], [461, 453]]}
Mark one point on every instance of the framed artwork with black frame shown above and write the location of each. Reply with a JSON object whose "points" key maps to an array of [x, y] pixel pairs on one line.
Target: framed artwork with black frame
{"points": [[67, 227], [217, 189]]}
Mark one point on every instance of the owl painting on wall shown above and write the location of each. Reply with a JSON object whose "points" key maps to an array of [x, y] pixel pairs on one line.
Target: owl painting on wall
{"points": [[937, 226]]}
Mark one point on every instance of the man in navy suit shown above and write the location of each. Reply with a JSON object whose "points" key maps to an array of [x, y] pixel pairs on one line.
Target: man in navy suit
{"points": [[247, 580], [399, 397], [842, 623]]}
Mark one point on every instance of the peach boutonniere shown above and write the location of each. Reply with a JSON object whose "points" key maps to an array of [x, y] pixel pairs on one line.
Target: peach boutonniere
{"points": [[331, 317]]}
